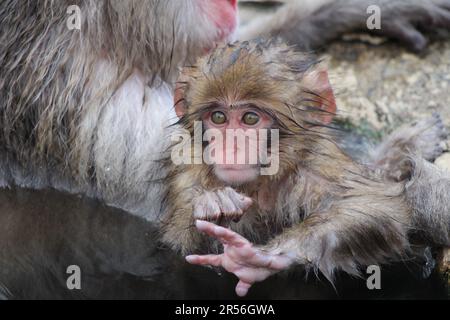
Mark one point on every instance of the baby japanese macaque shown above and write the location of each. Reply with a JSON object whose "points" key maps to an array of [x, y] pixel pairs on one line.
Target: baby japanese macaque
{"points": [[83, 110], [258, 169]]}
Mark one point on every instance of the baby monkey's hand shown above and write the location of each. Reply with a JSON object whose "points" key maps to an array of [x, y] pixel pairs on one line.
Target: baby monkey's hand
{"points": [[223, 205], [240, 257]]}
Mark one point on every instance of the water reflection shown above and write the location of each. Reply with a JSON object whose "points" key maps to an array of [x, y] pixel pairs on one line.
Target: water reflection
{"points": [[44, 232]]}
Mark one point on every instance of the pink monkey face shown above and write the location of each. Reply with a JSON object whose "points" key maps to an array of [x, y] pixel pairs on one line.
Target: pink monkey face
{"points": [[237, 152], [224, 15]]}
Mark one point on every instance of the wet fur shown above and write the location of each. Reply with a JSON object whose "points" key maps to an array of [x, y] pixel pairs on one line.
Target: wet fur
{"points": [[63, 94], [332, 212], [85, 110]]}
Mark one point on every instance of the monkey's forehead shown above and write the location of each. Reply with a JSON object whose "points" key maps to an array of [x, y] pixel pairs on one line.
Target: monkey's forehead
{"points": [[258, 69], [272, 57]]}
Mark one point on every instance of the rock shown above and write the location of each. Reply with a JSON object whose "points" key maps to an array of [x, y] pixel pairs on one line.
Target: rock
{"points": [[396, 86]]}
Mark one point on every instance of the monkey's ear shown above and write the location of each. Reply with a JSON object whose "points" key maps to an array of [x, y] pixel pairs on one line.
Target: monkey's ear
{"points": [[318, 84], [180, 92], [180, 106]]}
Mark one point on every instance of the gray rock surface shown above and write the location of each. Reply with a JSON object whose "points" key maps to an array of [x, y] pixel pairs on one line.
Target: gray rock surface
{"points": [[381, 87]]}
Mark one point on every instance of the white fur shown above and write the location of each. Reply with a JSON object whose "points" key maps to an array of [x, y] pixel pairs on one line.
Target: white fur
{"points": [[131, 136], [128, 136]]}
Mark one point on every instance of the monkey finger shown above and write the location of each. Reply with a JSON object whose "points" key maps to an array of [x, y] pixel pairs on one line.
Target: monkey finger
{"points": [[227, 205], [211, 229], [408, 34], [443, 18], [226, 236], [273, 262], [438, 18], [242, 202], [242, 288], [207, 207], [205, 260], [252, 275]]}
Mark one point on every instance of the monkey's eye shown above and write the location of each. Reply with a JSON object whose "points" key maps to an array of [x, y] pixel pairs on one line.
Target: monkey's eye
{"points": [[218, 117], [250, 118]]}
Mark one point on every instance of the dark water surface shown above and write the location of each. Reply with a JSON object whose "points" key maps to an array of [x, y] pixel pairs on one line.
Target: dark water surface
{"points": [[44, 232]]}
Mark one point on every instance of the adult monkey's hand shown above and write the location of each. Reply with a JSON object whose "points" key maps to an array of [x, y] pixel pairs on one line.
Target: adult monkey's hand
{"points": [[313, 24], [240, 257]]}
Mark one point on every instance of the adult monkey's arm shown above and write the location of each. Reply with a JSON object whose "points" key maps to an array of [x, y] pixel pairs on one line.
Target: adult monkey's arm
{"points": [[312, 24]]}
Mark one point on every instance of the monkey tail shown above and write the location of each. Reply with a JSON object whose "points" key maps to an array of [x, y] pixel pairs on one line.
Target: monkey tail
{"points": [[428, 194]]}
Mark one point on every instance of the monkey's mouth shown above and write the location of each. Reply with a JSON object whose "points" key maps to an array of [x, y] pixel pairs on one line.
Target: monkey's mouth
{"points": [[236, 167], [237, 174]]}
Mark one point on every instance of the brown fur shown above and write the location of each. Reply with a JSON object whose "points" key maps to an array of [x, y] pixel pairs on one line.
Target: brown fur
{"points": [[332, 212]]}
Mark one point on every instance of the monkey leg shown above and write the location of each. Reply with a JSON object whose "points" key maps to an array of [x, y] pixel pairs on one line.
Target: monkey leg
{"points": [[422, 139], [222, 205]]}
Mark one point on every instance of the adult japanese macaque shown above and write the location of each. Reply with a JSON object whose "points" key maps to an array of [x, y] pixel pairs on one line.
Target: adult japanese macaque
{"points": [[85, 110], [303, 200]]}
